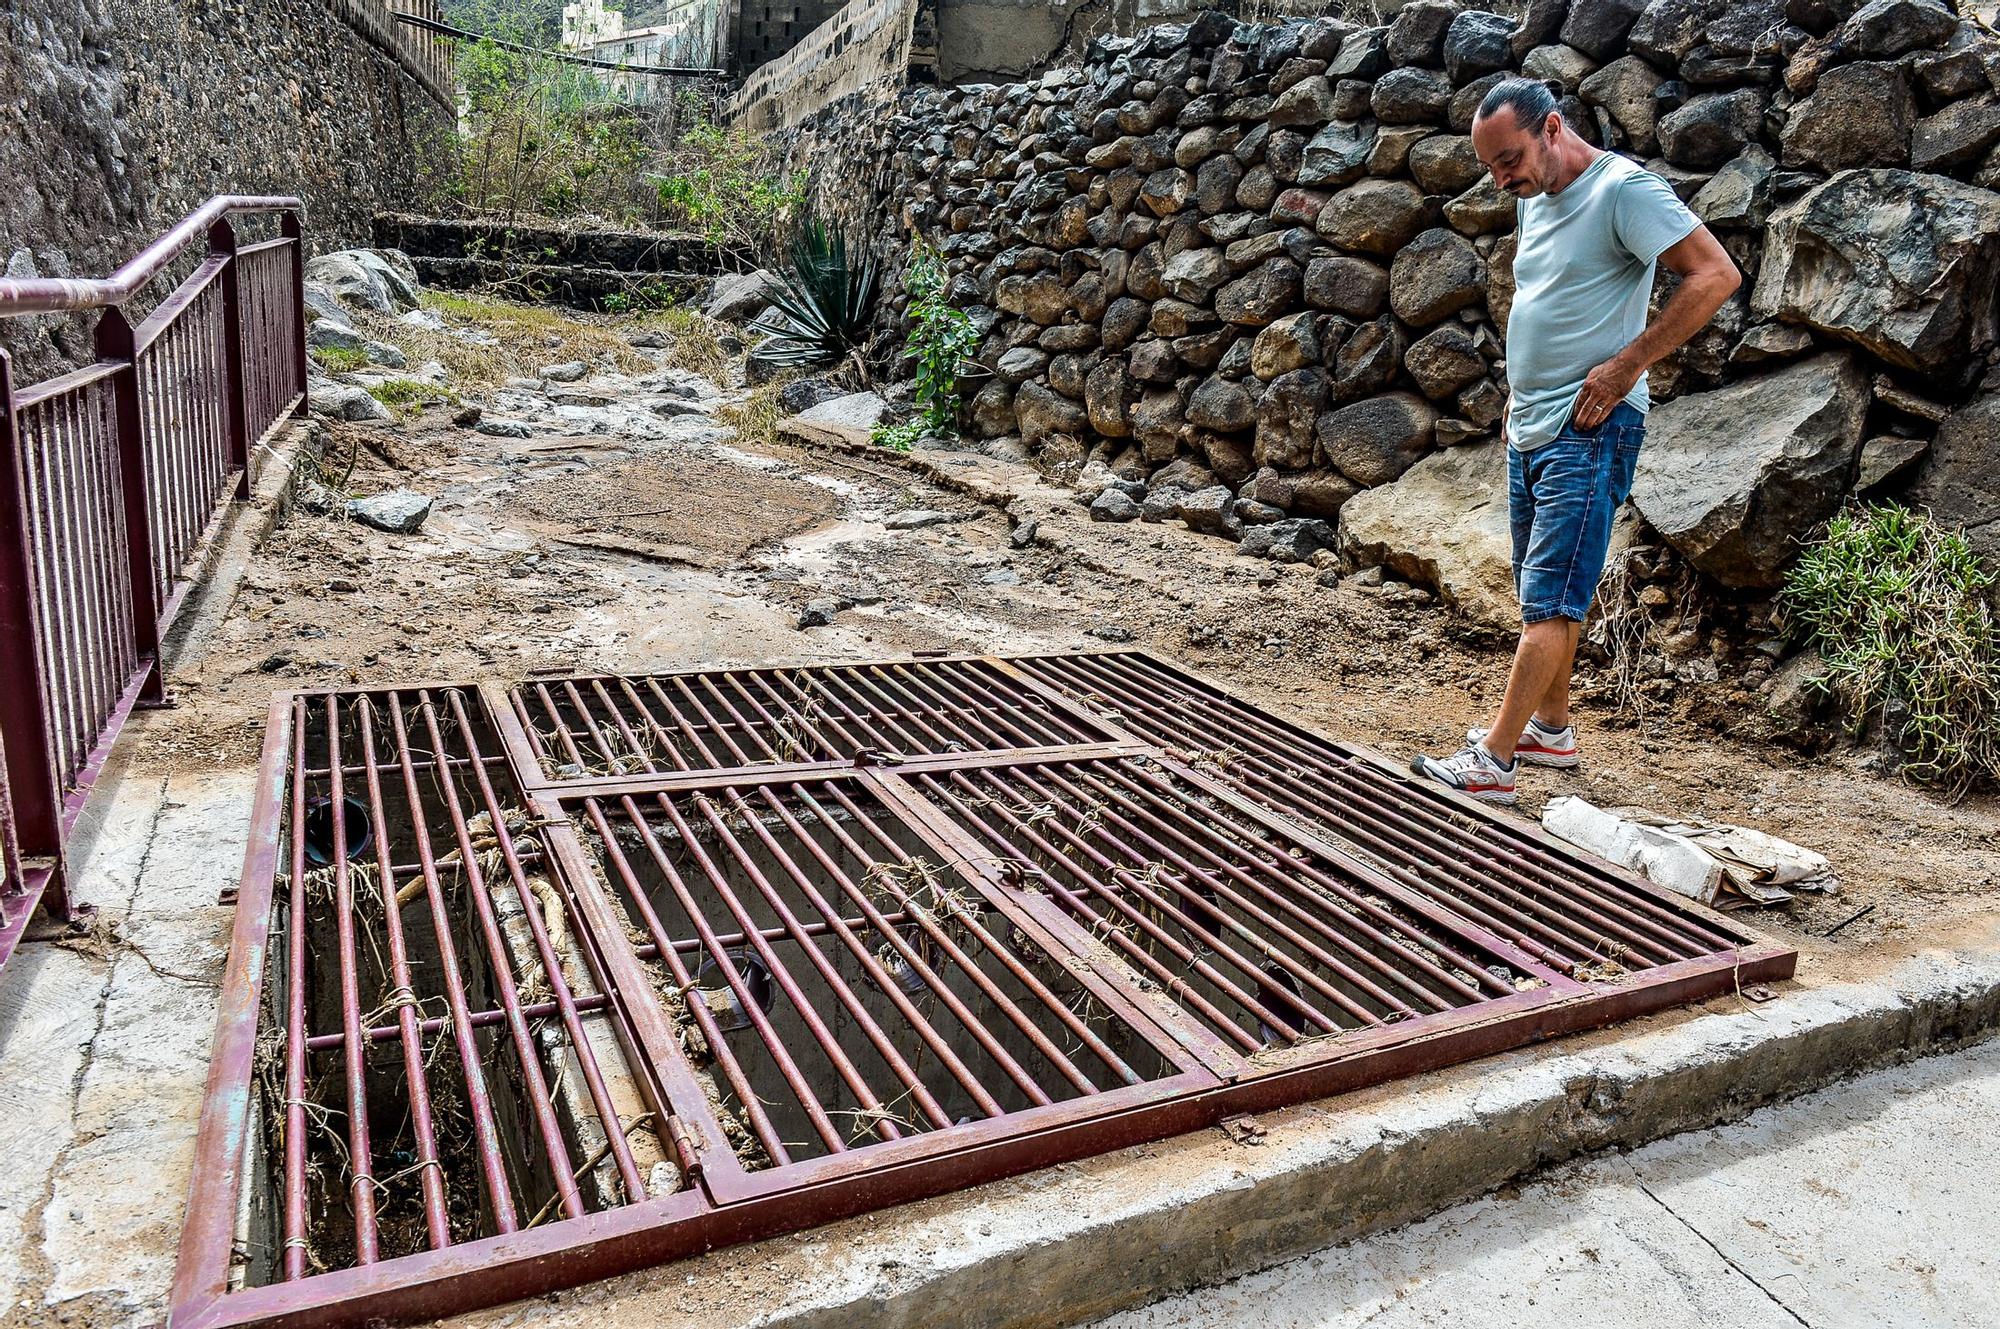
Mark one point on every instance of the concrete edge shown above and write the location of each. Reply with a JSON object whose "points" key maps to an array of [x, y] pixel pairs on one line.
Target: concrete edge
{"points": [[220, 565], [1083, 1241]]}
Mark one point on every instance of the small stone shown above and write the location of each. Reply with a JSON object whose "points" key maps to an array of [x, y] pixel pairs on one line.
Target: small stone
{"points": [[1023, 535], [819, 613], [1114, 505]]}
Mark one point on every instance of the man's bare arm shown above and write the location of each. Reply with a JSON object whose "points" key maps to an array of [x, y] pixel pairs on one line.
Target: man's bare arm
{"points": [[1708, 277]]}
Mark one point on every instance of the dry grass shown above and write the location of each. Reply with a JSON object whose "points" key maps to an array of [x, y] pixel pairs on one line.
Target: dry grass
{"points": [[694, 340], [755, 418], [526, 336]]}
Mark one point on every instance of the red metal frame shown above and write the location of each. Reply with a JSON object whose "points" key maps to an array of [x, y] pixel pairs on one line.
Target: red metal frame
{"points": [[1389, 974], [110, 477]]}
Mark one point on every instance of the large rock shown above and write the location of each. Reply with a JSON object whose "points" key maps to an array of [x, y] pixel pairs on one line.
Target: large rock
{"points": [[1960, 483], [1626, 88], [1443, 524], [1374, 440], [1740, 194], [1288, 344], [1374, 216], [1043, 413], [1286, 416], [1436, 275], [1444, 360], [397, 511], [850, 420], [1859, 115], [1598, 27], [1884, 29], [1900, 263], [1260, 295], [342, 401], [1193, 274], [738, 297], [1337, 154], [1417, 36], [1732, 478], [1108, 395], [1367, 359], [1410, 96], [1712, 128], [1445, 164], [1476, 44], [1347, 285], [1222, 405], [383, 281], [1957, 135]]}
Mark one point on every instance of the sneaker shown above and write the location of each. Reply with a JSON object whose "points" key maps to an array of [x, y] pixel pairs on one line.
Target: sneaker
{"points": [[1539, 745], [1472, 770]]}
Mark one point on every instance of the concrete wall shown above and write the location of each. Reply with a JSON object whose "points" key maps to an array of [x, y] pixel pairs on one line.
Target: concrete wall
{"points": [[867, 46], [766, 29], [117, 117]]}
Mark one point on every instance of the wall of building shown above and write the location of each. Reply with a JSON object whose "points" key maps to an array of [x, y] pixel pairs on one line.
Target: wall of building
{"points": [[766, 29], [117, 117]]}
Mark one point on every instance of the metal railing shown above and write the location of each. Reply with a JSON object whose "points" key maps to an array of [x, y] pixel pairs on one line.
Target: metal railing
{"points": [[110, 477]]}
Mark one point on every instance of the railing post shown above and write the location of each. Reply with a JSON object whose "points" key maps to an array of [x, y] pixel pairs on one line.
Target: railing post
{"points": [[115, 342], [292, 228], [222, 243], [29, 751]]}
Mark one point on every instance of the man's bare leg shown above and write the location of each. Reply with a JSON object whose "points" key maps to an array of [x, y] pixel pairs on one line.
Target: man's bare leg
{"points": [[1539, 678]]}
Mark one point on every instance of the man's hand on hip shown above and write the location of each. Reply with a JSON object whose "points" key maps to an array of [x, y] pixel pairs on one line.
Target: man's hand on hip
{"points": [[1603, 388]]}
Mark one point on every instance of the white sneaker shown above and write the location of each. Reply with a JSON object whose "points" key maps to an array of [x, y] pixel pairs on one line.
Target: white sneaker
{"points": [[1472, 770], [1539, 745]]}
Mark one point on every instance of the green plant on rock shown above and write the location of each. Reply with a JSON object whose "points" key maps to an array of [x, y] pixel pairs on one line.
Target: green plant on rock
{"points": [[900, 437], [941, 341], [820, 309], [1898, 608]]}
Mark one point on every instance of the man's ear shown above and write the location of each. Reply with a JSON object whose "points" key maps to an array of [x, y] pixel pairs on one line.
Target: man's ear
{"points": [[1553, 126]]}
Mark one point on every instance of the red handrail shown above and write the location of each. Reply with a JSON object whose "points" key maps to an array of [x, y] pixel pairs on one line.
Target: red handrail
{"points": [[55, 295]]}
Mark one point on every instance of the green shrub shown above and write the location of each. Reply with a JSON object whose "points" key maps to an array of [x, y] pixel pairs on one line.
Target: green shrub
{"points": [[941, 341], [1897, 606], [900, 437]]}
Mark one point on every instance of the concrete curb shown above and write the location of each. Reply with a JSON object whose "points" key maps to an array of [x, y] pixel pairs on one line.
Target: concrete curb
{"points": [[1074, 1243]]}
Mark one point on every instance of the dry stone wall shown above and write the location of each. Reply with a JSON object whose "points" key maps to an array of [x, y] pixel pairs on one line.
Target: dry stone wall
{"points": [[117, 117], [1259, 270]]}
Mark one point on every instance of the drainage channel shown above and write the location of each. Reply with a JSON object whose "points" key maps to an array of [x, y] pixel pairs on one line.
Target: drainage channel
{"points": [[538, 984]]}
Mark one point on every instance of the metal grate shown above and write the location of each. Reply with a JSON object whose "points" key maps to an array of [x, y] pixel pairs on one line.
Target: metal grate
{"points": [[686, 959], [582, 728]]}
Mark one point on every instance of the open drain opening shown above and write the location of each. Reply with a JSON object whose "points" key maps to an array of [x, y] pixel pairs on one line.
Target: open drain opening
{"points": [[834, 984], [434, 1064]]}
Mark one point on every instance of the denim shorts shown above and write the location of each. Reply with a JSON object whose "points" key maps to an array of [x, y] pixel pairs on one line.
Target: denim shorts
{"points": [[1561, 497]]}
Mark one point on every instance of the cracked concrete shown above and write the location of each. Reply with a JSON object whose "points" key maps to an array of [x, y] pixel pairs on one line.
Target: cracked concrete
{"points": [[1862, 1206]]}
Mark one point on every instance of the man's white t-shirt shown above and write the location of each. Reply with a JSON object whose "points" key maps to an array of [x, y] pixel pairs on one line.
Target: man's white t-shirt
{"points": [[1583, 272]]}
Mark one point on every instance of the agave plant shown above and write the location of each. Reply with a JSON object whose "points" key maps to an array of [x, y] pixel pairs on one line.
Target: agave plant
{"points": [[819, 311]]}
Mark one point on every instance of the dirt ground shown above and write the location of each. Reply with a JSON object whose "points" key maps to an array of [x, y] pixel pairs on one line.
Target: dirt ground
{"points": [[599, 550]]}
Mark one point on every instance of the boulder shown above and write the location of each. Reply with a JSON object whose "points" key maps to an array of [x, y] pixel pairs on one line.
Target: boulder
{"points": [[1956, 136], [1476, 44], [382, 281], [340, 401], [1158, 420], [1193, 274], [1347, 285], [1374, 216], [1740, 195], [1288, 344], [1417, 35], [1900, 263], [1443, 361], [1711, 128], [1434, 276], [1041, 413], [1222, 405], [564, 371], [738, 297], [850, 419], [991, 414], [327, 335], [1565, 66], [398, 511], [1166, 191], [1960, 483], [1598, 27], [1108, 394], [1368, 359], [1443, 524], [1287, 540], [1336, 155], [1733, 477], [1410, 96], [1040, 297], [1211, 511], [1482, 210], [1307, 102], [1858, 115], [1286, 416], [1625, 88], [1884, 29], [1445, 163], [1021, 364], [1260, 295], [1374, 440]]}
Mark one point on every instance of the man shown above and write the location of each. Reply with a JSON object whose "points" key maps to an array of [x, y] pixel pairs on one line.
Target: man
{"points": [[1591, 226]]}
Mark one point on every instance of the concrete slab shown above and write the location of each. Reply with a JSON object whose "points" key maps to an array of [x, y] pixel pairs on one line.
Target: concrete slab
{"points": [[1857, 1207]]}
